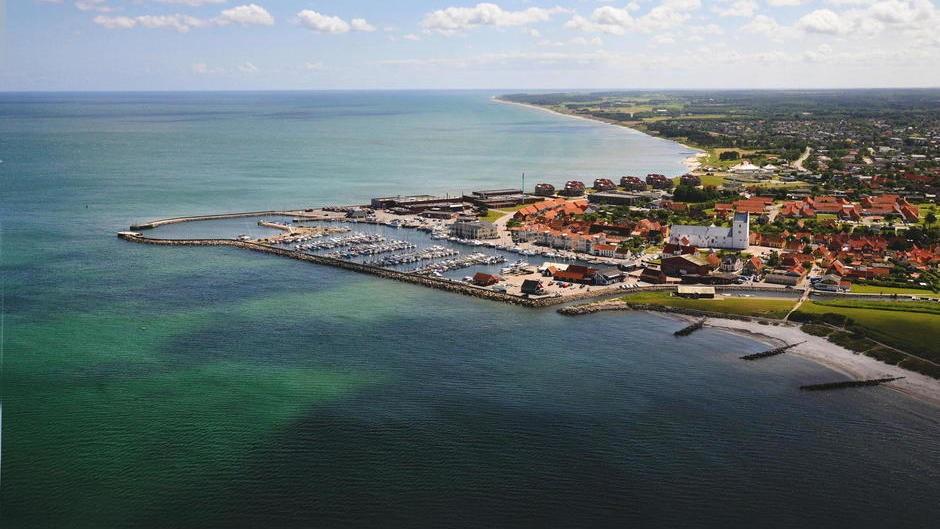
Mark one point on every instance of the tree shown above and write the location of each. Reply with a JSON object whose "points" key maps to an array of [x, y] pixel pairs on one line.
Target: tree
{"points": [[773, 260], [931, 218]]}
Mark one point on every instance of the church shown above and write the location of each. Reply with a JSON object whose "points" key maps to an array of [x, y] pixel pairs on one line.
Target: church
{"points": [[734, 238]]}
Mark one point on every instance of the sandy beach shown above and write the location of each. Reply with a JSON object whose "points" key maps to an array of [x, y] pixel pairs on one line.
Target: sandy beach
{"points": [[692, 162], [835, 357]]}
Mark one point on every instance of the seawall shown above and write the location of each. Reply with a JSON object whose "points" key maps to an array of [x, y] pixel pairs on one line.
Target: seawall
{"points": [[220, 216]]}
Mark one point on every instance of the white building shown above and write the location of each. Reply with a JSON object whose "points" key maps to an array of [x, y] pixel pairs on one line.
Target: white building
{"points": [[734, 238], [473, 230]]}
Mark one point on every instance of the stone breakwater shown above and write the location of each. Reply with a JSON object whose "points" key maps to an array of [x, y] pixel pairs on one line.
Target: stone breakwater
{"points": [[406, 277], [221, 216]]}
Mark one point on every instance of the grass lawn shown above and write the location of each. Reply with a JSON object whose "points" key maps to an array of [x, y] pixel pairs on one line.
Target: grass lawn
{"points": [[892, 323], [826, 216], [713, 160], [712, 180], [757, 307], [494, 214], [873, 289], [924, 208]]}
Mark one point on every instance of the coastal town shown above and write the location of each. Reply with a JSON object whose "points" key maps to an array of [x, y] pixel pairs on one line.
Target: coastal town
{"points": [[839, 234], [650, 235], [638, 233]]}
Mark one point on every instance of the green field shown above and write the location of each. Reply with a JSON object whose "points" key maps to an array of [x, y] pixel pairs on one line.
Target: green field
{"points": [[689, 117], [874, 289], [713, 160], [893, 323], [757, 307], [495, 214], [712, 180]]}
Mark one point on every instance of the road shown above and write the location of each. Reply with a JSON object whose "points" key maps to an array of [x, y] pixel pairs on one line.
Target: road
{"points": [[798, 163]]}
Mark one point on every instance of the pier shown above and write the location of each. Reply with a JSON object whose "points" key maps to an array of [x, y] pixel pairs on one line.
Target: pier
{"points": [[221, 216], [848, 384], [771, 352]]}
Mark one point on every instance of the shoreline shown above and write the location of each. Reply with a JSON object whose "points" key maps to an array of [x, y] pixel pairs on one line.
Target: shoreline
{"points": [[692, 162], [834, 357]]}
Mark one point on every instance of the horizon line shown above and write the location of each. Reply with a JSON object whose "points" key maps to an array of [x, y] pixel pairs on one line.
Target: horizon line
{"points": [[560, 89]]}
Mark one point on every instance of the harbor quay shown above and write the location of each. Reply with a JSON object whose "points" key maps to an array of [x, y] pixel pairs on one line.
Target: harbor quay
{"points": [[501, 244]]}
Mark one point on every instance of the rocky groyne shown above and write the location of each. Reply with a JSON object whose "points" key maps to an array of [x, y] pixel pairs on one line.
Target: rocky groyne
{"points": [[849, 384]]}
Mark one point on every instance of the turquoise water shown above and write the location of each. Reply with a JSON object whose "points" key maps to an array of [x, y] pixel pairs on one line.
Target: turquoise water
{"points": [[207, 387]]}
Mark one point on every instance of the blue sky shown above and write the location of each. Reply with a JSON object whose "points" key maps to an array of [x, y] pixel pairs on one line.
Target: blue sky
{"points": [[334, 44]]}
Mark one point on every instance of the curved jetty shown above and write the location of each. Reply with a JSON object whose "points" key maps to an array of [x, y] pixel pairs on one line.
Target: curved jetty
{"points": [[848, 384], [221, 216], [770, 352], [691, 328]]}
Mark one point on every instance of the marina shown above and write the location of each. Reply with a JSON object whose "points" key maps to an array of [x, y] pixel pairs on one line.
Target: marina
{"points": [[412, 245]]}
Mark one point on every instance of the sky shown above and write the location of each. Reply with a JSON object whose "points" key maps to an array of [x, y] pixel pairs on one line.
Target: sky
{"points": [[517, 44]]}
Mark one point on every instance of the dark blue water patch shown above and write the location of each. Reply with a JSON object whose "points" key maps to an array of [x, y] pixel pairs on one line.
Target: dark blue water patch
{"points": [[458, 461]]}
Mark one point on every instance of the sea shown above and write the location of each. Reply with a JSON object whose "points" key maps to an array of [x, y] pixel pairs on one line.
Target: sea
{"points": [[173, 387]]}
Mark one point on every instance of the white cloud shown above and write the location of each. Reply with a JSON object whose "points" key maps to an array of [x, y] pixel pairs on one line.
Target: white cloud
{"points": [[101, 6], [786, 3], [201, 68], [899, 16], [576, 41], [895, 12], [247, 67], [313, 66], [618, 21], [192, 3], [820, 54], [179, 23], [412, 36], [736, 8], [823, 21], [360, 24], [542, 58], [581, 41], [321, 23], [246, 15], [115, 22], [664, 38], [453, 19], [763, 25]]}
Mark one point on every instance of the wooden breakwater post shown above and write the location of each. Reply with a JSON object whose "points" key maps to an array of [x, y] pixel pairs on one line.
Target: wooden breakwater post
{"points": [[848, 384], [691, 328], [770, 352]]}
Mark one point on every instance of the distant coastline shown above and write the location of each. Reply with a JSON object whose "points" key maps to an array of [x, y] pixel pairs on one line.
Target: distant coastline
{"points": [[692, 162]]}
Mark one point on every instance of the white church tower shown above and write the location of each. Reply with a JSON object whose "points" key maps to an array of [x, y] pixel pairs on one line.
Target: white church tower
{"points": [[740, 231]]}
